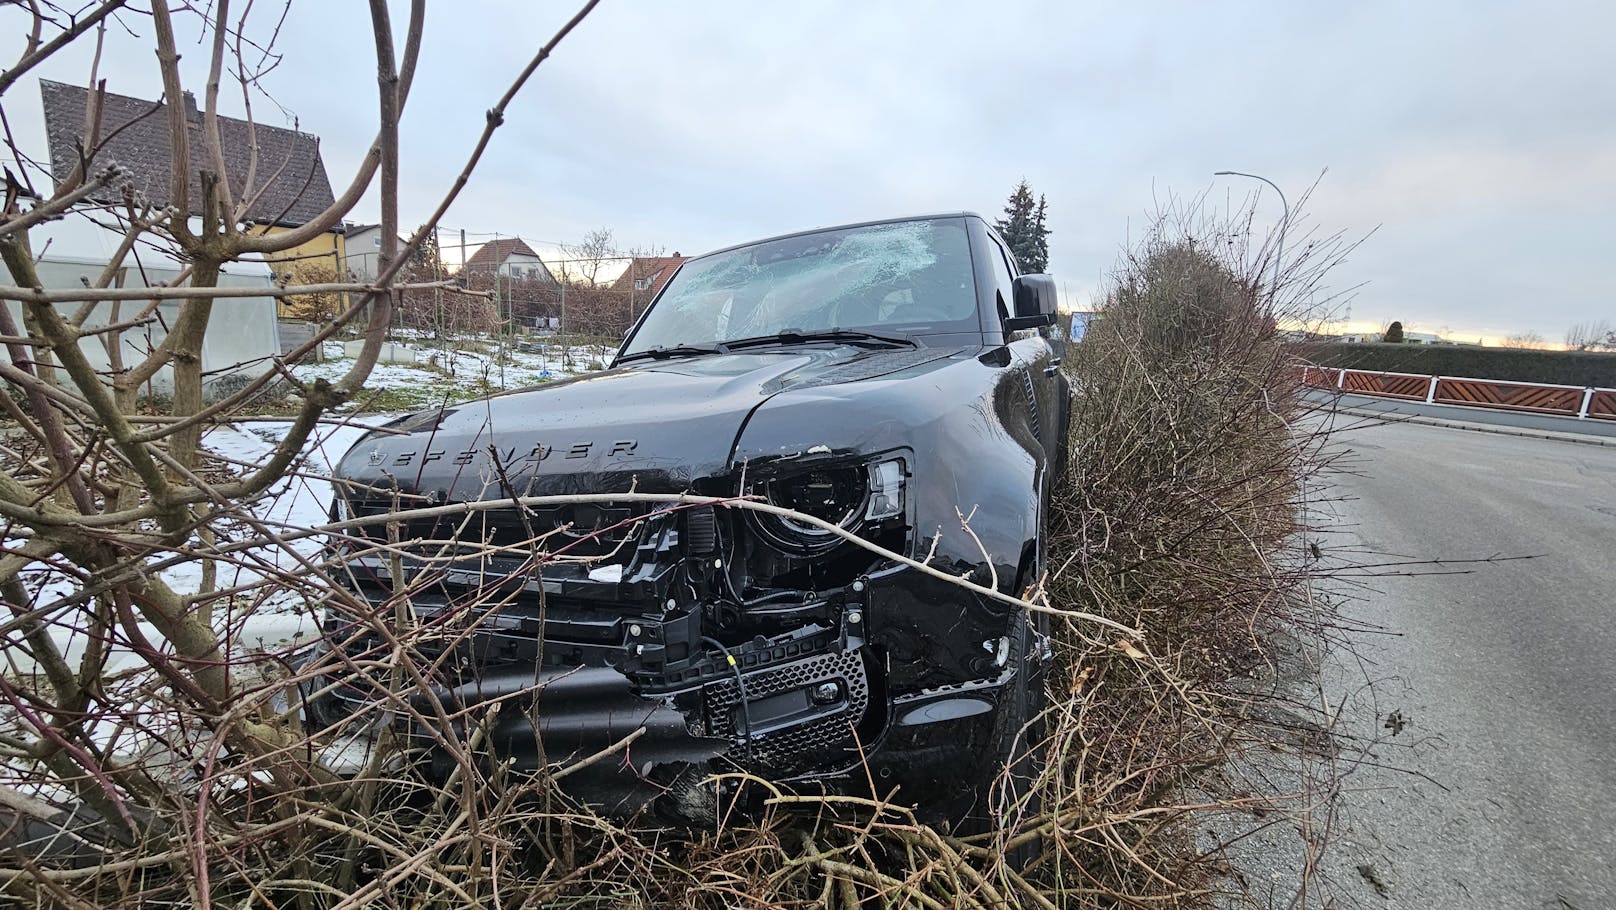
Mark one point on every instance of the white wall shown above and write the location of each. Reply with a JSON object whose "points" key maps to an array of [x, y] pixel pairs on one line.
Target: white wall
{"points": [[242, 333], [525, 266], [364, 249]]}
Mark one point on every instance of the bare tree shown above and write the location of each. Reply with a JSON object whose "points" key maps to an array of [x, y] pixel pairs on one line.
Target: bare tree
{"points": [[584, 259], [1595, 335], [103, 488], [442, 313], [1531, 341]]}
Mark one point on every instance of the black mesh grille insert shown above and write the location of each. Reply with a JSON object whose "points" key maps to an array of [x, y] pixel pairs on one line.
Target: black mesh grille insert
{"points": [[822, 743]]}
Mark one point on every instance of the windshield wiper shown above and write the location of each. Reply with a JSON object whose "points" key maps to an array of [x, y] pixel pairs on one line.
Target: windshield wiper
{"points": [[677, 350], [844, 336]]}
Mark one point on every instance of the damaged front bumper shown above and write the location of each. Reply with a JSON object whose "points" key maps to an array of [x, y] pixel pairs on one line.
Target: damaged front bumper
{"points": [[696, 655]]}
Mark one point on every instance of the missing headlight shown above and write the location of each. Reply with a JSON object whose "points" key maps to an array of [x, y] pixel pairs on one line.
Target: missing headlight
{"points": [[846, 496], [829, 494], [832, 494]]}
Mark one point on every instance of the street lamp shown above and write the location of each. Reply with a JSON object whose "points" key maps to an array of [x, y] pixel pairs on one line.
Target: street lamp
{"points": [[1280, 257]]}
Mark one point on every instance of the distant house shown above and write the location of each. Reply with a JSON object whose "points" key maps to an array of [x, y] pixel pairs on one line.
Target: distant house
{"points": [[362, 248], [74, 252], [1408, 338], [290, 183], [508, 259], [646, 275]]}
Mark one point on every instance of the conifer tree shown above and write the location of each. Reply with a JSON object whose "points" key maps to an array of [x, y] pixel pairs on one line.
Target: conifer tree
{"points": [[1025, 229]]}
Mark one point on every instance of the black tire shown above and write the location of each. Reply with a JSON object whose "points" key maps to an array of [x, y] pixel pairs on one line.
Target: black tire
{"points": [[1007, 791], [1022, 747], [1020, 730]]}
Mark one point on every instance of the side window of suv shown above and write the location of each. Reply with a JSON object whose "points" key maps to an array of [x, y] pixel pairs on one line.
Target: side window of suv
{"points": [[1002, 280]]}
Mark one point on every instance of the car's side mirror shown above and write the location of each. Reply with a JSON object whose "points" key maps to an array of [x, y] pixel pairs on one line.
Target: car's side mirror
{"points": [[1034, 304]]}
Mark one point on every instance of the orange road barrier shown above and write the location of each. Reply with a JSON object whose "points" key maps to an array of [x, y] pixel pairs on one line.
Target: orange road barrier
{"points": [[1602, 404], [1514, 396], [1581, 402]]}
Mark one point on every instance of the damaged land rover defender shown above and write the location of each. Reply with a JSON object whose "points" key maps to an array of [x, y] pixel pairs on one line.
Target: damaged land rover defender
{"points": [[896, 379]]}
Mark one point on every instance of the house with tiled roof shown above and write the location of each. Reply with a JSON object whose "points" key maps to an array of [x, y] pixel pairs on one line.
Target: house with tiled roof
{"points": [[290, 184], [646, 275], [508, 258], [362, 251]]}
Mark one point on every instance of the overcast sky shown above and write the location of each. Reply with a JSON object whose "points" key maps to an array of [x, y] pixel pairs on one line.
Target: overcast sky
{"points": [[1478, 137]]}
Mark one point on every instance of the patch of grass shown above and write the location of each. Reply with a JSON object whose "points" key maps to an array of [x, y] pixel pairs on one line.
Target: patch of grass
{"points": [[437, 386], [418, 396]]}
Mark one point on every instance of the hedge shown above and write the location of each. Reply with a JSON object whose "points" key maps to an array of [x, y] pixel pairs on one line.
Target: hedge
{"points": [[1556, 367]]}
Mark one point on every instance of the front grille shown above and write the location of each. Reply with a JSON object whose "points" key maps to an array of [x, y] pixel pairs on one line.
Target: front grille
{"points": [[589, 530]]}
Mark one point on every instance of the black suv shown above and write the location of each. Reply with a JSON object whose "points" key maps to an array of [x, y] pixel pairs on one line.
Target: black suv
{"points": [[896, 379]]}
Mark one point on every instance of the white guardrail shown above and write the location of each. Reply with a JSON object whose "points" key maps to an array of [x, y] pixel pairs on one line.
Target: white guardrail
{"points": [[1581, 402]]}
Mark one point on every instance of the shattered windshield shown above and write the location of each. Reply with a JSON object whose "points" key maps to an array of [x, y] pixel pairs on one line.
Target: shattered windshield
{"points": [[905, 278]]}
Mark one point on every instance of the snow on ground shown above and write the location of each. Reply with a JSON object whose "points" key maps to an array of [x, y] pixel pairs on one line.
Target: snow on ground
{"points": [[275, 615], [270, 618], [458, 371]]}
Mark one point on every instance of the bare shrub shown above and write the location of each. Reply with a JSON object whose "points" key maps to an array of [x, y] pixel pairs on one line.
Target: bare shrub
{"points": [[580, 310], [1183, 517], [319, 306], [440, 312], [150, 752], [597, 312]]}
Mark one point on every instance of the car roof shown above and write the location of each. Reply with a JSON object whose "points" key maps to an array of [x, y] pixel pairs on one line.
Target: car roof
{"points": [[841, 227]]}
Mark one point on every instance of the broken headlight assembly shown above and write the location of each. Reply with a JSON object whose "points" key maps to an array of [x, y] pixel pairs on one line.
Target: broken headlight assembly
{"points": [[849, 496]]}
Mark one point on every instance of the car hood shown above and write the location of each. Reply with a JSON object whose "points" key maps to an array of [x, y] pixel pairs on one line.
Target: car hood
{"points": [[652, 427]]}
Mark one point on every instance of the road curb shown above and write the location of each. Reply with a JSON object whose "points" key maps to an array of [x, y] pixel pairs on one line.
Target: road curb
{"points": [[1498, 429]]}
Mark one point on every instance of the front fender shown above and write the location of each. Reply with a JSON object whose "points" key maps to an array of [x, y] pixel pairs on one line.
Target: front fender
{"points": [[974, 455]]}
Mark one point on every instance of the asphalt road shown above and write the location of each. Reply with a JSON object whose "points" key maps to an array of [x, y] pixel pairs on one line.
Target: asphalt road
{"points": [[1500, 682]]}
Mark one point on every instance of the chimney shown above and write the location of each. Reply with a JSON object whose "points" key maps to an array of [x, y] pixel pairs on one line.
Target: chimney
{"points": [[191, 113]]}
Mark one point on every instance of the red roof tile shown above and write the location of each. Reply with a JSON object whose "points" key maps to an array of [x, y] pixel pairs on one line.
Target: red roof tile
{"points": [[492, 254], [653, 271]]}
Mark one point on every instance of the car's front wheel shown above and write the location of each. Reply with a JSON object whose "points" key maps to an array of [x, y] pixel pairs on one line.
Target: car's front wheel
{"points": [[1009, 793]]}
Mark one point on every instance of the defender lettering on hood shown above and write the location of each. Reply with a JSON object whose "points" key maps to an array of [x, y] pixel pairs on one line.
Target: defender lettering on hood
{"points": [[538, 453]]}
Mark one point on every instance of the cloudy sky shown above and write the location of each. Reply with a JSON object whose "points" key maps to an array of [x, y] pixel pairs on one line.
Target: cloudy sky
{"points": [[1475, 139]]}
